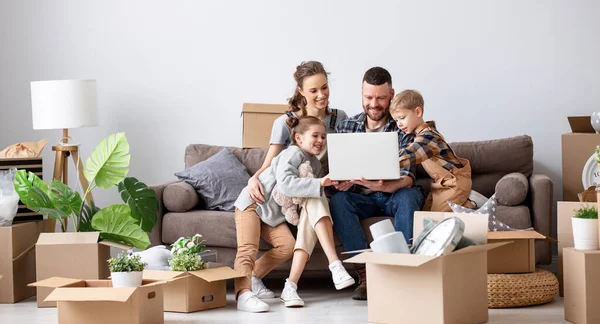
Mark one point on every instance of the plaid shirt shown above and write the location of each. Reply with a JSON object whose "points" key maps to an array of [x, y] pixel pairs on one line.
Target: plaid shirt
{"points": [[356, 124], [429, 144]]}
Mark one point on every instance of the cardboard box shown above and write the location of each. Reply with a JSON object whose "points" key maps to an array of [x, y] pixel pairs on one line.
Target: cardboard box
{"points": [[257, 122], [424, 289], [71, 255], [96, 302], [581, 286], [17, 260], [517, 257], [565, 211], [576, 150], [193, 291]]}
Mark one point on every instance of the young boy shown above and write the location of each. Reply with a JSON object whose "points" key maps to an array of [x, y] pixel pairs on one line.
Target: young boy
{"points": [[450, 175]]}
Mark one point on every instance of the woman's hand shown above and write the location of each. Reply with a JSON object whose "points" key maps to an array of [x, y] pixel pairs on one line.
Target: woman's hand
{"points": [[256, 191], [326, 181]]}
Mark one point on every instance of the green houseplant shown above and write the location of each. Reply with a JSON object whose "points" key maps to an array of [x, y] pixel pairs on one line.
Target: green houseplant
{"points": [[106, 167], [186, 254], [585, 228], [126, 271]]}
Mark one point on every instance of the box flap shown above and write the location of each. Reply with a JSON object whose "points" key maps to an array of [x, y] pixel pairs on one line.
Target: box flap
{"points": [[56, 282], [91, 294], [217, 274], [516, 235], [264, 108], [581, 124], [399, 259], [357, 251], [479, 248], [68, 238], [115, 245], [163, 274]]}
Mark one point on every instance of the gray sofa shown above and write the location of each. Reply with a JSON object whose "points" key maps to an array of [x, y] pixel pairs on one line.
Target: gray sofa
{"points": [[490, 161]]}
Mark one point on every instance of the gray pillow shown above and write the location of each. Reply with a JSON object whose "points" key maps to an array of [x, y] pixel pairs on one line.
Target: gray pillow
{"points": [[511, 190], [219, 180]]}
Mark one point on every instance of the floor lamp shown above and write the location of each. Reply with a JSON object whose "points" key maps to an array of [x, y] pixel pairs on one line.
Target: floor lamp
{"points": [[64, 104]]}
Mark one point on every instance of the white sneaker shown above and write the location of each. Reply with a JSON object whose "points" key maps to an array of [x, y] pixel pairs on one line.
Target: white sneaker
{"points": [[248, 302], [260, 290], [341, 278], [289, 296]]}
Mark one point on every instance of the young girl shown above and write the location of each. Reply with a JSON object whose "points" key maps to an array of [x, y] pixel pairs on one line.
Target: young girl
{"points": [[308, 138], [450, 174]]}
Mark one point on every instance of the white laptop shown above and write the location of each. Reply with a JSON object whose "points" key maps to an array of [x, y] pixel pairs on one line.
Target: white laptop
{"points": [[373, 156]]}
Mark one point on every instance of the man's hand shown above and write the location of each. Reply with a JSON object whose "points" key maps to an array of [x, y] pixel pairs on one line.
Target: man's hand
{"points": [[388, 186], [343, 185], [256, 191]]}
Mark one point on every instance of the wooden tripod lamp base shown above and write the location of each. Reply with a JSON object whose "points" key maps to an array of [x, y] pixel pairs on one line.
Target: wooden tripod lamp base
{"points": [[61, 169]]}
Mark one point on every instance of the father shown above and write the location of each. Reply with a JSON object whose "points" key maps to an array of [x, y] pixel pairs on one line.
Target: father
{"points": [[360, 199]]}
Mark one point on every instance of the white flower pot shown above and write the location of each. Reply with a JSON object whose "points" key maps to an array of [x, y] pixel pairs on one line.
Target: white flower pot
{"points": [[585, 233], [126, 279]]}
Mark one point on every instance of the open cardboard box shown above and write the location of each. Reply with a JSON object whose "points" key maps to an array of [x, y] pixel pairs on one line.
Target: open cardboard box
{"points": [[192, 291], [96, 302], [426, 289], [17, 260], [581, 285], [517, 257], [71, 255], [257, 122]]}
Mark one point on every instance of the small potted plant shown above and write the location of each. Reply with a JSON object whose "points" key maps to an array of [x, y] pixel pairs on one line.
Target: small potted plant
{"points": [[126, 271], [186, 254], [585, 228]]}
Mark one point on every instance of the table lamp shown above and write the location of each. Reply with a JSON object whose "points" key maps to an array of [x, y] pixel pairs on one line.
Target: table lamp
{"points": [[64, 104]]}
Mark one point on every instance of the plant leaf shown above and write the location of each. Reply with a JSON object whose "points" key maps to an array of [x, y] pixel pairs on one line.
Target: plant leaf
{"points": [[87, 214], [64, 198], [142, 201], [38, 201], [26, 180], [115, 224], [109, 162]]}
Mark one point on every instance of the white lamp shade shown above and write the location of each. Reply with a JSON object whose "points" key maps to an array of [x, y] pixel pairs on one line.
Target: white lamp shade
{"points": [[63, 104]]}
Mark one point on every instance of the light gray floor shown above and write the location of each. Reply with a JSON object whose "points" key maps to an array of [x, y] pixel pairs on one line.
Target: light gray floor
{"points": [[324, 305]]}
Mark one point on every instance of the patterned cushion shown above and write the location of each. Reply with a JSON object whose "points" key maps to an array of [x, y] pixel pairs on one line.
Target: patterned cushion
{"points": [[494, 224]]}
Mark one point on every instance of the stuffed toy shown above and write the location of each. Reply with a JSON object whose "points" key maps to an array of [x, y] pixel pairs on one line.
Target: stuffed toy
{"points": [[289, 205]]}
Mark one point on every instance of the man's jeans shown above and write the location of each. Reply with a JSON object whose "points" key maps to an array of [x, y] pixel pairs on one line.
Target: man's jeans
{"points": [[347, 209]]}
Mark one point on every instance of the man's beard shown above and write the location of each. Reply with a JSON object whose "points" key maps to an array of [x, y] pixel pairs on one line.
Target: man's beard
{"points": [[382, 113]]}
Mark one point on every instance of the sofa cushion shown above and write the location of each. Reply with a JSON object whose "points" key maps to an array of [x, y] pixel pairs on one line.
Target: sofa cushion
{"points": [[216, 227], [251, 158], [517, 217], [511, 190], [180, 197], [219, 180]]}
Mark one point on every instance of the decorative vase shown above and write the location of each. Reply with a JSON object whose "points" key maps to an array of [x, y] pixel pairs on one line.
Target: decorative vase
{"points": [[596, 122], [585, 233], [126, 279]]}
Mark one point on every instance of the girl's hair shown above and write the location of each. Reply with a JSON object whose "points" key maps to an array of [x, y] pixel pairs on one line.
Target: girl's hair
{"points": [[304, 70], [301, 125]]}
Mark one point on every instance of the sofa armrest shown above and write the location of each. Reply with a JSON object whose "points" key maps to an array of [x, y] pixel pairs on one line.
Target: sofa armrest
{"points": [[156, 234], [542, 189]]}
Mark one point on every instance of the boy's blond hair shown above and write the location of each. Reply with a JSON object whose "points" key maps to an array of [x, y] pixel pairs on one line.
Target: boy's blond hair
{"points": [[407, 99]]}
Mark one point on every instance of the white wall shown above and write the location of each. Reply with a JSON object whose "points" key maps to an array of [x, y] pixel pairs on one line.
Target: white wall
{"points": [[172, 73]]}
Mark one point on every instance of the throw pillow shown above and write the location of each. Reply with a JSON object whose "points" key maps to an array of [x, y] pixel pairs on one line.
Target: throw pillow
{"points": [[180, 197], [494, 224], [511, 190], [219, 180]]}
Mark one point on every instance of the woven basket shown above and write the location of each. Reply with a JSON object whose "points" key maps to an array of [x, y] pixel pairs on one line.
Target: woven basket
{"points": [[521, 289]]}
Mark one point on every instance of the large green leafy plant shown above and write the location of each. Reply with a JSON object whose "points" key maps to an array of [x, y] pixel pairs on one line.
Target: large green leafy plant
{"points": [[106, 167]]}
